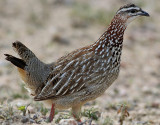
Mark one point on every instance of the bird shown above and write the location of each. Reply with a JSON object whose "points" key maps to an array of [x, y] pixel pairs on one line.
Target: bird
{"points": [[80, 76]]}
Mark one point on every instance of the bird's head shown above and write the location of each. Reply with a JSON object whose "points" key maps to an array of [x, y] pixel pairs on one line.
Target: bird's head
{"points": [[130, 12]]}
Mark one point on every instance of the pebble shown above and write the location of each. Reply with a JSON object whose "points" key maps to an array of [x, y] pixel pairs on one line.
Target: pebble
{"points": [[35, 117], [24, 119], [68, 122], [32, 121], [31, 109]]}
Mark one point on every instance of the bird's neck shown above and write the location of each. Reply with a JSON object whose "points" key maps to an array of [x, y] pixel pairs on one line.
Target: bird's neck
{"points": [[116, 29], [113, 36]]}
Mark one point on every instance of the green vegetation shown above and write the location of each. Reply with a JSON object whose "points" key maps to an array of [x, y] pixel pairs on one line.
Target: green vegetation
{"points": [[44, 111], [23, 109], [91, 113], [6, 112], [62, 116]]}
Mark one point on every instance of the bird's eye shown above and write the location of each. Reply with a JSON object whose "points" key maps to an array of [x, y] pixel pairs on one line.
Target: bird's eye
{"points": [[133, 11]]}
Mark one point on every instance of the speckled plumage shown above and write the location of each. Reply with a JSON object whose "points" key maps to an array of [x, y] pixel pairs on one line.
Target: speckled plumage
{"points": [[95, 65], [83, 74]]}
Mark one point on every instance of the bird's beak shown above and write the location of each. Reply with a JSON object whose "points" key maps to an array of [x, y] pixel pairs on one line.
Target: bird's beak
{"points": [[143, 13]]}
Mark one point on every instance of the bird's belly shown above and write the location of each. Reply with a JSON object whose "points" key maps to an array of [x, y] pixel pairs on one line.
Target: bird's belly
{"points": [[82, 97], [77, 99], [94, 89]]}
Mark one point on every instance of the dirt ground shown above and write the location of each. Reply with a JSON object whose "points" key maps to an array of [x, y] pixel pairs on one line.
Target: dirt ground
{"points": [[53, 28]]}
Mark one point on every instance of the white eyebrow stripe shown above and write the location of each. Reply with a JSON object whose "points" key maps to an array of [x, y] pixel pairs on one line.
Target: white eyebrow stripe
{"points": [[125, 9]]}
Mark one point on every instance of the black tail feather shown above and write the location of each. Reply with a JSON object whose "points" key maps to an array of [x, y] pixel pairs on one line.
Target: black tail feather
{"points": [[16, 61], [25, 53]]}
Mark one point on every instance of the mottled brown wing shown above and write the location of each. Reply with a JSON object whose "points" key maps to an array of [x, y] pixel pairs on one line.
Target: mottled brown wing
{"points": [[68, 77]]}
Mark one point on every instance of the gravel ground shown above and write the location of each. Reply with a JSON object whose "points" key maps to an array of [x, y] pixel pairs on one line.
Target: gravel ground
{"points": [[53, 28]]}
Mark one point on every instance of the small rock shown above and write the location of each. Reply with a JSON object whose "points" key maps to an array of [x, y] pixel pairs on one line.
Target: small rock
{"points": [[24, 119], [68, 122], [32, 121], [6, 123], [140, 122], [31, 109], [39, 122], [35, 117], [155, 105]]}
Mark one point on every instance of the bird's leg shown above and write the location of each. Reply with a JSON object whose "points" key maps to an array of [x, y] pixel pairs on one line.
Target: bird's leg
{"points": [[76, 112], [51, 116]]}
